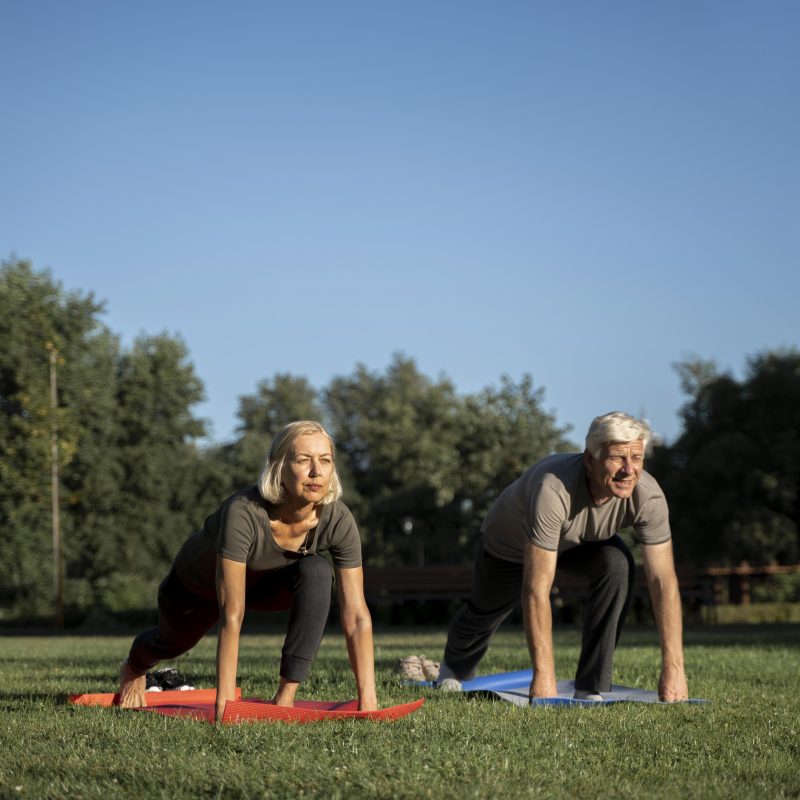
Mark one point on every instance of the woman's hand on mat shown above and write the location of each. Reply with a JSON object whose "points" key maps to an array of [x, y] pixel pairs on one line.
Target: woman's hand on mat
{"points": [[543, 685], [219, 708]]}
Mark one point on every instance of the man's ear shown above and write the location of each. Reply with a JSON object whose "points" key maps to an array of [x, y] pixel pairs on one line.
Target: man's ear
{"points": [[588, 459]]}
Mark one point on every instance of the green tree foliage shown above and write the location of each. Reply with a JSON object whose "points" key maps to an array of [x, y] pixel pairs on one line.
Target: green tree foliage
{"points": [[503, 431], [278, 400], [36, 315], [420, 463], [132, 477], [423, 464], [159, 494], [398, 435], [733, 476]]}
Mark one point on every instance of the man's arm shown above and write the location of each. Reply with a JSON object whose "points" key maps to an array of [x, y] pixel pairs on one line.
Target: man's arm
{"points": [[662, 582], [538, 575]]}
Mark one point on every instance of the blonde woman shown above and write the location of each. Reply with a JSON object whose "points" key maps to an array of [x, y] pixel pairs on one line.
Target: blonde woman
{"points": [[261, 550]]}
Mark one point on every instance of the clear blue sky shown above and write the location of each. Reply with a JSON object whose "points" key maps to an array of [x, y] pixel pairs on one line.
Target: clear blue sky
{"points": [[584, 191]]}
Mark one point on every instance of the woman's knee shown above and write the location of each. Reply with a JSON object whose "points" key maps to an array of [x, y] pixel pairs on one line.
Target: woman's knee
{"points": [[313, 578], [315, 569]]}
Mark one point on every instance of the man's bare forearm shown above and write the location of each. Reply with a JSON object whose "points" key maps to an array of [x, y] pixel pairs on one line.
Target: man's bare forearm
{"points": [[538, 621], [539, 570]]}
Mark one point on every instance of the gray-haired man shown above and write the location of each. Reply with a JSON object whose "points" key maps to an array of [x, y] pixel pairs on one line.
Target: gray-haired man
{"points": [[565, 513]]}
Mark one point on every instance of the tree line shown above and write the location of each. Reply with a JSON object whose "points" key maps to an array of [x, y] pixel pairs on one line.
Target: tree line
{"points": [[420, 462]]}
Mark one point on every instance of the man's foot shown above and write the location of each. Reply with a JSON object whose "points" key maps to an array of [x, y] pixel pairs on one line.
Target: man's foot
{"points": [[131, 687], [585, 694], [447, 680]]}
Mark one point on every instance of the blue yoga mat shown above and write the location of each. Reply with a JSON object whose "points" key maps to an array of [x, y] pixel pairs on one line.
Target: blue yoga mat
{"points": [[514, 686]]}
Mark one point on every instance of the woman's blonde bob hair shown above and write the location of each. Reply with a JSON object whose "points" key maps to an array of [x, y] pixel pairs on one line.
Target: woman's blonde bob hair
{"points": [[615, 427], [269, 481]]}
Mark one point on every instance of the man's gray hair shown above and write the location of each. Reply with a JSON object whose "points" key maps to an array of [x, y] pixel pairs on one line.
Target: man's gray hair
{"points": [[269, 481], [615, 427]]}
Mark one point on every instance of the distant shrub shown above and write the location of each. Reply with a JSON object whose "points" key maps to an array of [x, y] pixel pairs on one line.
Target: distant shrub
{"points": [[777, 589], [754, 614]]}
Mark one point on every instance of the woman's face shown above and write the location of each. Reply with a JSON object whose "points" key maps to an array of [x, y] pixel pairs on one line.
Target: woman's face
{"points": [[308, 468]]}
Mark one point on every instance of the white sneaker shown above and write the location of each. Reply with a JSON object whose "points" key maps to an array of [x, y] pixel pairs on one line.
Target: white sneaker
{"points": [[584, 694], [446, 679]]}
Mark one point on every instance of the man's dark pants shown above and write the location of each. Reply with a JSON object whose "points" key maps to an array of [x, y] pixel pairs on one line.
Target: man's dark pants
{"points": [[608, 570], [184, 617]]}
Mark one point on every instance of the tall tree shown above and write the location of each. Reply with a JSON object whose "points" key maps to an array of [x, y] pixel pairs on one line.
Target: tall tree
{"points": [[504, 431], [733, 476], [162, 498], [277, 401], [425, 463], [37, 315], [398, 434]]}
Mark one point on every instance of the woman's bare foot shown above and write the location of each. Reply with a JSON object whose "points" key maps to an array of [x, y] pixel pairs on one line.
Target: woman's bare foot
{"points": [[286, 692], [131, 687]]}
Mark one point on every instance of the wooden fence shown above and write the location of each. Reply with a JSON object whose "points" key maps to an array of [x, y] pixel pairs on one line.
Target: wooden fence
{"points": [[705, 585]]}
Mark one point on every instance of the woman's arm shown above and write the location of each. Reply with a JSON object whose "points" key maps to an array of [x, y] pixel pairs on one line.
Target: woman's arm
{"points": [[357, 627], [230, 595]]}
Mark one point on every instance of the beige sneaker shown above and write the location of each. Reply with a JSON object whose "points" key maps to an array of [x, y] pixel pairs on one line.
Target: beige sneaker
{"points": [[410, 668], [429, 668]]}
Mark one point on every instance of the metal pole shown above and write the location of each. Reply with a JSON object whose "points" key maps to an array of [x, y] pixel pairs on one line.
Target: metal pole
{"points": [[58, 582]]}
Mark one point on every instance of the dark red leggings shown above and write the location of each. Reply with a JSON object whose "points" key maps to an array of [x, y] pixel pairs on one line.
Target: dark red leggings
{"points": [[185, 617]]}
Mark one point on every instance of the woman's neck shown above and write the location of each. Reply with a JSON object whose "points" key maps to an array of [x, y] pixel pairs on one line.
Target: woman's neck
{"points": [[291, 513]]}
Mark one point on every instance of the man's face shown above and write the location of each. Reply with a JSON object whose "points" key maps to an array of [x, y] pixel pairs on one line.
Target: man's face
{"points": [[617, 472]]}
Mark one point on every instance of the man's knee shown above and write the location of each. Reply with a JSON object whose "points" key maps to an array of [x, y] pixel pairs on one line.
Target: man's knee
{"points": [[619, 561], [618, 571]]}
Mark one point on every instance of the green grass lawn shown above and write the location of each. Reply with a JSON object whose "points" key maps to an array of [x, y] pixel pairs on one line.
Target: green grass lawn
{"points": [[745, 744]]}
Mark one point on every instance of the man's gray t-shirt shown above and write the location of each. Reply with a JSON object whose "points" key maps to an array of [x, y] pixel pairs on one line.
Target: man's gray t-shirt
{"points": [[239, 530], [550, 505]]}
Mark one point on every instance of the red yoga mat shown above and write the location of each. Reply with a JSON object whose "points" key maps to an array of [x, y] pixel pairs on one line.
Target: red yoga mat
{"points": [[199, 704]]}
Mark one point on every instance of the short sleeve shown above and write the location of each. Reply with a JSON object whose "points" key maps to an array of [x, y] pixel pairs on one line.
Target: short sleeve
{"points": [[345, 542], [237, 532], [651, 524], [546, 516]]}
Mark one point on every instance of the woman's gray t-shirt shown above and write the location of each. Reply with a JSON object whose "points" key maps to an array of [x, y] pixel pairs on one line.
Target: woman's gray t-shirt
{"points": [[239, 530], [550, 505]]}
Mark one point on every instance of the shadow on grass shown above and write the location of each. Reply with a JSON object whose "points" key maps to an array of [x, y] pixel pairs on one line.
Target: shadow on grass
{"points": [[17, 701], [775, 634]]}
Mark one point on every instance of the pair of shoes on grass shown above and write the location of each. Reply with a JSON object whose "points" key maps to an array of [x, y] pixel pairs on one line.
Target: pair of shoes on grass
{"points": [[418, 668], [166, 679]]}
